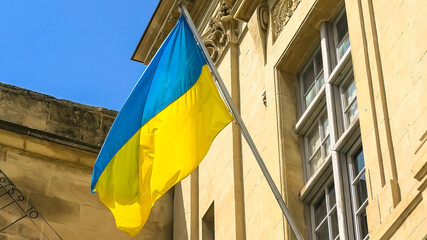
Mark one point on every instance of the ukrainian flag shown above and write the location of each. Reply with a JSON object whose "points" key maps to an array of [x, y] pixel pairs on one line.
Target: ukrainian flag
{"points": [[163, 131]]}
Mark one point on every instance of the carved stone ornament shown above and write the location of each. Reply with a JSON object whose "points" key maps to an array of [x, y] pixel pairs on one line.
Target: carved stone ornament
{"points": [[263, 16], [281, 13], [258, 30], [221, 30]]}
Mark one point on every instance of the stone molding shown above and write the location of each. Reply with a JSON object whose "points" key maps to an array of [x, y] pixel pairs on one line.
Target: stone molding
{"points": [[281, 12], [221, 30]]}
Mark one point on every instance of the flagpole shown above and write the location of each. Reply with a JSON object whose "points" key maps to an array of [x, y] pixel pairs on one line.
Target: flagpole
{"points": [[182, 8]]}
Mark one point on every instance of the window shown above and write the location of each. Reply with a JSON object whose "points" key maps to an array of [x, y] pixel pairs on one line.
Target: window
{"points": [[318, 143], [329, 128], [341, 38], [312, 78], [325, 215], [348, 100], [359, 194]]}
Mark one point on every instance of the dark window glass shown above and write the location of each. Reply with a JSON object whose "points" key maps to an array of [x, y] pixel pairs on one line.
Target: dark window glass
{"points": [[343, 41], [363, 224], [320, 210], [332, 199], [362, 194], [322, 232], [318, 62], [308, 78], [358, 163], [342, 28], [334, 221]]}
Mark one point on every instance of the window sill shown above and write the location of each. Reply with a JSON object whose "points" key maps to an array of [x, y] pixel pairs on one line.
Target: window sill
{"points": [[311, 112], [350, 134], [340, 69], [316, 181]]}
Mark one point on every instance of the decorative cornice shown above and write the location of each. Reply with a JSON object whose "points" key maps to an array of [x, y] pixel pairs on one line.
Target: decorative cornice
{"points": [[281, 13], [161, 23], [221, 30]]}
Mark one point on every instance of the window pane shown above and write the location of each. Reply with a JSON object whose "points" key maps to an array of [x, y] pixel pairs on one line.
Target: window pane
{"points": [[342, 48], [358, 163], [308, 77], [342, 28], [321, 80], [362, 194], [325, 126], [343, 41], [352, 113], [350, 93], [327, 146], [318, 62], [334, 222], [325, 135], [322, 233], [332, 199], [363, 224], [313, 141], [315, 162], [311, 93], [320, 210]]}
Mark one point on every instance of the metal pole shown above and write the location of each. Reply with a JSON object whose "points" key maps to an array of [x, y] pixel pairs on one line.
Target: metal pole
{"points": [[240, 123]]}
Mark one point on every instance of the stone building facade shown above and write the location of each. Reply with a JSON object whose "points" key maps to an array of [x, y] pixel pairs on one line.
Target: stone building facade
{"points": [[333, 93]]}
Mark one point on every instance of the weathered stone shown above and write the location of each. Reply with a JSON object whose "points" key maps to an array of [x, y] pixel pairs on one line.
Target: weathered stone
{"points": [[26, 179], [55, 209], [107, 122], [44, 115], [63, 129], [72, 190]]}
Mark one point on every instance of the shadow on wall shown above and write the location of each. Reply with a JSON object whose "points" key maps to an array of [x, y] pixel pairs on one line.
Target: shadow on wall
{"points": [[179, 223]]}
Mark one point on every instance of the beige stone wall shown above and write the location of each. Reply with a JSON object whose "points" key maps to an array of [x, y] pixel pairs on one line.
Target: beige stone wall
{"points": [[263, 214], [389, 76], [53, 170], [388, 50]]}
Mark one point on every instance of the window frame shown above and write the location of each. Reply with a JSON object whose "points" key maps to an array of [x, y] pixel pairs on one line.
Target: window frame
{"points": [[347, 81], [323, 191], [317, 124], [355, 210], [343, 134], [311, 61], [335, 35]]}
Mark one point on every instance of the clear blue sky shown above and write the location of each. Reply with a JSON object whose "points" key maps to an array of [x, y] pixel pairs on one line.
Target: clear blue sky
{"points": [[78, 50]]}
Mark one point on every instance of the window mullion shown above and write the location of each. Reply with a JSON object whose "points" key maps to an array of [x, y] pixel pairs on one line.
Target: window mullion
{"points": [[333, 135], [324, 47]]}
